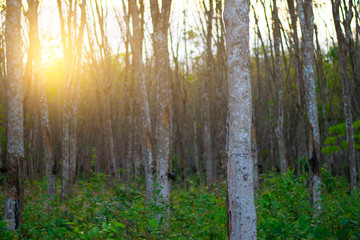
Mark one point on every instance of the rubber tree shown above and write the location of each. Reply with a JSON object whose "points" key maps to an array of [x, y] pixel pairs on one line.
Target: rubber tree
{"points": [[306, 16], [343, 53], [35, 55], [240, 188], [136, 13], [280, 94], [160, 20], [14, 115]]}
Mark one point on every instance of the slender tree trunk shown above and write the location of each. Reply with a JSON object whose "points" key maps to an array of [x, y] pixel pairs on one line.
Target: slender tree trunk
{"points": [[129, 151], [44, 113], [146, 133], [300, 133], [320, 73], [15, 131], [353, 51], [280, 104], [110, 136], [305, 11], [240, 189], [346, 94], [73, 134], [196, 151], [205, 98], [65, 151]]}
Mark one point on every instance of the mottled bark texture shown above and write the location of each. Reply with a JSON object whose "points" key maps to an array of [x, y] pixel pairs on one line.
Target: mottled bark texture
{"points": [[14, 116], [240, 189], [279, 130], [35, 55], [136, 12], [343, 52], [160, 19], [305, 11]]}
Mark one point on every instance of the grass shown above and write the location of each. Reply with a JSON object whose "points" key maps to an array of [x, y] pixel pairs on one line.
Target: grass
{"points": [[98, 212]]}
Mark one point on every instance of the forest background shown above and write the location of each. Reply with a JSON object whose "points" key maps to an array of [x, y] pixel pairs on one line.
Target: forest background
{"points": [[94, 105]]}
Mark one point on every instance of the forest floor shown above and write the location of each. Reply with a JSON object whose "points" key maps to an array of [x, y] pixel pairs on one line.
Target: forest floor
{"points": [[99, 212]]}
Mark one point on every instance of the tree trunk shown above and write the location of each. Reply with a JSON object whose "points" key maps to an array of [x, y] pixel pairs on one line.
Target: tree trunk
{"points": [[305, 11], [320, 73], [353, 51], [15, 129], [240, 189], [346, 94], [73, 134], [160, 21], [65, 151], [300, 134], [205, 98], [34, 40], [280, 105]]}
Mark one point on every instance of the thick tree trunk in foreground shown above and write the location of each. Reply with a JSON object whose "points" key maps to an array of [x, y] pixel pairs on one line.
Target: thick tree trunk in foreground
{"points": [[160, 19], [306, 17], [240, 189], [346, 94], [15, 118]]}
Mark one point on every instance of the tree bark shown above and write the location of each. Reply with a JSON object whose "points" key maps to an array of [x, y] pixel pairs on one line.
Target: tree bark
{"points": [[137, 14], [346, 94], [160, 19], [280, 104], [34, 40], [15, 129], [207, 138], [240, 189], [305, 11], [320, 73], [300, 134]]}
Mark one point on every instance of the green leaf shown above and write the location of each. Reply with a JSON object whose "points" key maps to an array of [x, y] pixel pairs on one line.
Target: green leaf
{"points": [[331, 140], [96, 230], [90, 233], [330, 149], [112, 228], [338, 129], [153, 223], [104, 225], [344, 221], [119, 224], [356, 124]]}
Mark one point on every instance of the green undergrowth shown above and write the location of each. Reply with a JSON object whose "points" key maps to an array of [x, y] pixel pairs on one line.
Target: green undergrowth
{"points": [[99, 212]]}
